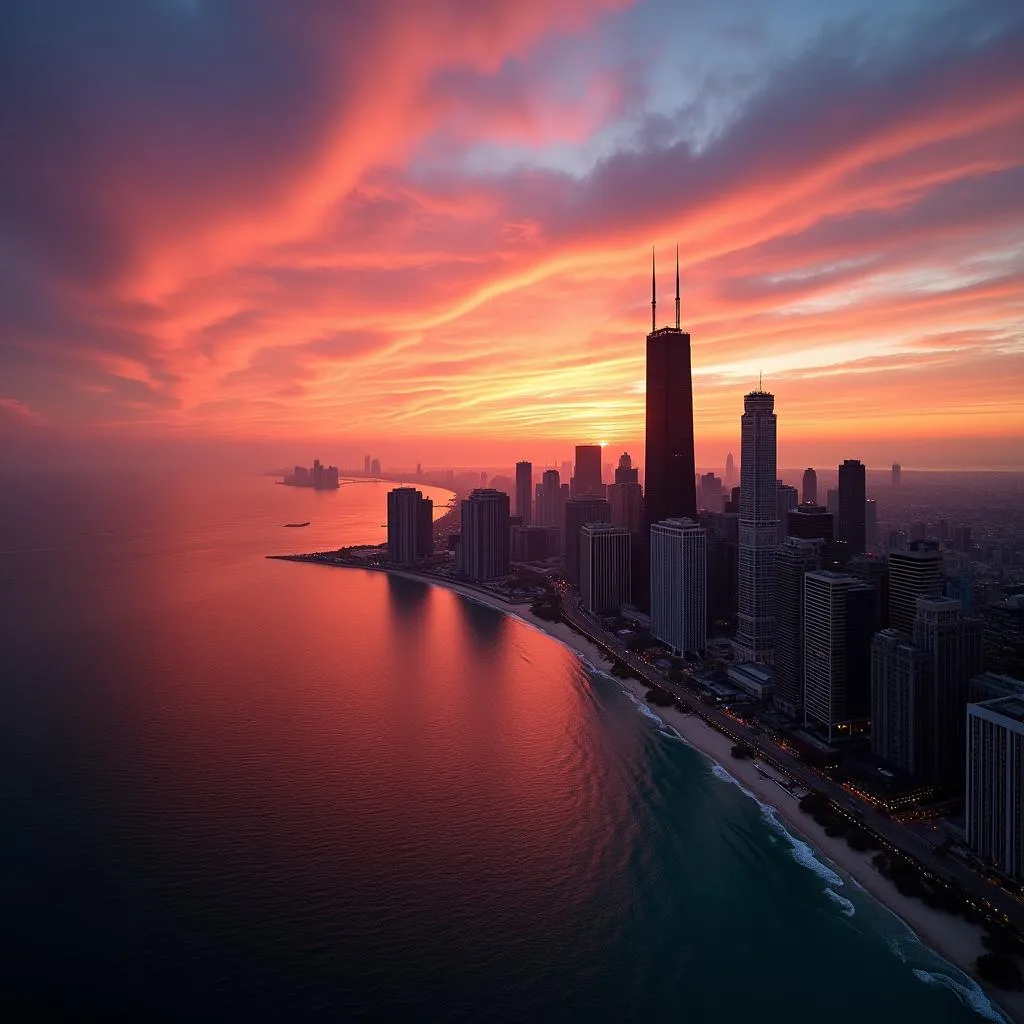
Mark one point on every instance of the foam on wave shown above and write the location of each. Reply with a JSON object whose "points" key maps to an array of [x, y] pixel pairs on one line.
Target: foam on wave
{"points": [[966, 991], [842, 902]]}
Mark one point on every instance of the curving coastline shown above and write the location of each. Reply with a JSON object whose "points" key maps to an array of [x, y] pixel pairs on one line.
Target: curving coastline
{"points": [[954, 939]]}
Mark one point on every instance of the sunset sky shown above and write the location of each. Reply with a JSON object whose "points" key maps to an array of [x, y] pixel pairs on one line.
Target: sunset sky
{"points": [[422, 228]]}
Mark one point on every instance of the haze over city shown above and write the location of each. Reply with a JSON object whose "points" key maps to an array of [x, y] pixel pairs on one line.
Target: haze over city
{"points": [[234, 234]]}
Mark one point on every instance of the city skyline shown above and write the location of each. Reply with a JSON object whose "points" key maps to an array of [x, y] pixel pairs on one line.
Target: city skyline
{"points": [[331, 290]]}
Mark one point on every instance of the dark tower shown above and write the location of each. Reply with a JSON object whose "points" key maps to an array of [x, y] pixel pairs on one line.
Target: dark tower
{"points": [[669, 483], [852, 513]]}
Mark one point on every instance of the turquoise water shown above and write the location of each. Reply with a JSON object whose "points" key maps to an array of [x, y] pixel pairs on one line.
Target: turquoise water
{"points": [[277, 790]]}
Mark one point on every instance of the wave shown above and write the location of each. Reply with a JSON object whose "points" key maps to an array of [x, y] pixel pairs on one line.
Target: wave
{"points": [[842, 902], [645, 710], [966, 991], [803, 853]]}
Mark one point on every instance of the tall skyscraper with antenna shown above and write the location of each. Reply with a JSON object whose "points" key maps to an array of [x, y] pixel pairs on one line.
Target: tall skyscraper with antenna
{"points": [[669, 471]]}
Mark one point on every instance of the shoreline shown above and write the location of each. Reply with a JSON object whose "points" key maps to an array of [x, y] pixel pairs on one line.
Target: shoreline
{"points": [[953, 939]]}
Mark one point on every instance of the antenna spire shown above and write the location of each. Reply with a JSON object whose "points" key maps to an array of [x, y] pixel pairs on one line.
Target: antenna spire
{"points": [[677, 286], [760, 377], [654, 294]]}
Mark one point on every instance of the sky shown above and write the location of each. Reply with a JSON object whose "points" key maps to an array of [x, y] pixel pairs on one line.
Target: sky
{"points": [[266, 231]]}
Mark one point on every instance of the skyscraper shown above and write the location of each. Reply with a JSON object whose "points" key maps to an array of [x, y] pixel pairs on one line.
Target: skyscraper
{"points": [[670, 484], [579, 511], [809, 495], [995, 783], [755, 634], [871, 525], [722, 530], [730, 470], [811, 522], [679, 584], [586, 477], [914, 573], [605, 569], [410, 525], [710, 496], [484, 549], [785, 501], [838, 620], [524, 492], [897, 474], [550, 510], [902, 695], [626, 472], [852, 486], [625, 500], [794, 558], [366, 464], [954, 644]]}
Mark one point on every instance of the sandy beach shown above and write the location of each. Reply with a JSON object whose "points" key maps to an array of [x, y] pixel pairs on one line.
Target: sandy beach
{"points": [[953, 938]]}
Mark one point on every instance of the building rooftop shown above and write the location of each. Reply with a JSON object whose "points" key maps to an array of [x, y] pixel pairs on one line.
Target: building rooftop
{"points": [[1009, 707]]}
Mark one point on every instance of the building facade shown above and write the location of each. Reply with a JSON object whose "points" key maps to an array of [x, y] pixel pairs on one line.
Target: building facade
{"points": [[793, 559], [605, 567], [902, 695], [524, 492], [852, 495], [838, 617], [679, 585], [626, 502], [809, 488], [914, 573], [785, 502], [995, 783], [586, 478], [410, 526], [485, 535], [579, 511], [758, 529]]}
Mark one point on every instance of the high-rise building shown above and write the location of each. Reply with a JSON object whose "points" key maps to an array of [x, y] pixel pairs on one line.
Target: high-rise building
{"points": [[723, 535], [870, 525], [809, 491], [375, 467], [710, 495], [410, 526], [626, 503], [832, 504], [954, 644], [992, 685], [785, 501], [679, 584], [605, 568], [484, 549], [730, 470], [366, 464], [579, 511], [793, 559], [1004, 635], [914, 573], [838, 621], [586, 477], [524, 492], [670, 487], [962, 539], [852, 486], [550, 505], [755, 633], [995, 783], [902, 698], [897, 474], [874, 570], [530, 543], [811, 522], [626, 472]]}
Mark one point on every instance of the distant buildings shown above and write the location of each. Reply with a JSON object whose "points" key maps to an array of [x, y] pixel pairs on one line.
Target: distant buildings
{"points": [[809, 490], [838, 624], [375, 467], [586, 478], [811, 522], [410, 526], [679, 584], [793, 559], [524, 492], [669, 472], [626, 472], [579, 511], [550, 509], [758, 527], [605, 567], [711, 498], [483, 551], [626, 502], [914, 573], [366, 464], [319, 477], [995, 783], [897, 474], [832, 504], [730, 470], [852, 496]]}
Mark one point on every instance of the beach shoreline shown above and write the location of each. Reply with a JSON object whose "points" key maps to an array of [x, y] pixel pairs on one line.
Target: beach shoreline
{"points": [[954, 939]]}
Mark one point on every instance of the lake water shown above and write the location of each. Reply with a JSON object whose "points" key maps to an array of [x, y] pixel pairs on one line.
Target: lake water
{"points": [[240, 786]]}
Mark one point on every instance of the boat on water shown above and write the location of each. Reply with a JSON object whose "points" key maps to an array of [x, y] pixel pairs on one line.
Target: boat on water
{"points": [[297, 525]]}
